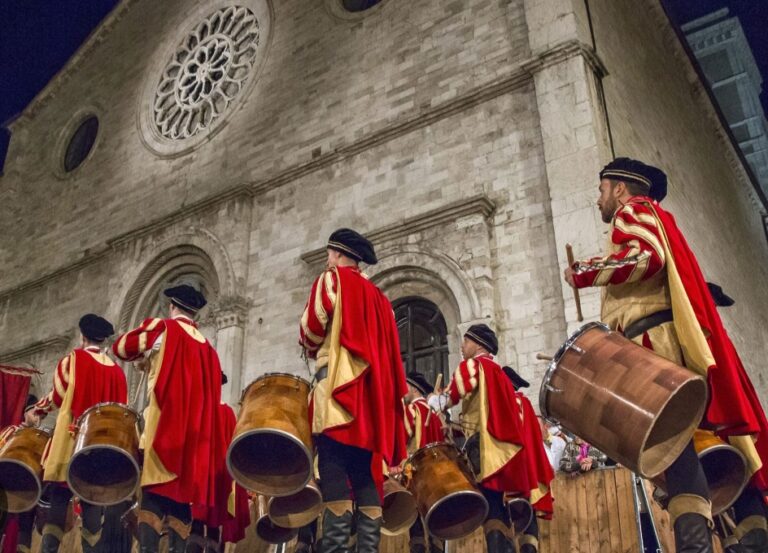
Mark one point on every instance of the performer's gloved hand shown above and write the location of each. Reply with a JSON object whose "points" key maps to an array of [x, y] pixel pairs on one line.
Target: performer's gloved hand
{"points": [[439, 402]]}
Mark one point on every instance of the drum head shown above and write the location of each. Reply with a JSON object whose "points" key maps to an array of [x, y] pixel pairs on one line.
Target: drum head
{"points": [[726, 471], [456, 515], [520, 513], [20, 487], [103, 475], [272, 533], [297, 510], [399, 510]]}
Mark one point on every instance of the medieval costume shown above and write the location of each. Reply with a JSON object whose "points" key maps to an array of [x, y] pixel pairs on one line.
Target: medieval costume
{"points": [[181, 427], [491, 417], [82, 379], [654, 292], [534, 461], [348, 327]]}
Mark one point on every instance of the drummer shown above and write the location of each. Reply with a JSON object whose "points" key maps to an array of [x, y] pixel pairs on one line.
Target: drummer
{"points": [[537, 465], [491, 415], [423, 426], [348, 327], [184, 387], [648, 269], [82, 379]]}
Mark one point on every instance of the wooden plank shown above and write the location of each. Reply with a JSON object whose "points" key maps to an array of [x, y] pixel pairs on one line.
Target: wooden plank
{"points": [[627, 516], [602, 515], [583, 482], [614, 523]]}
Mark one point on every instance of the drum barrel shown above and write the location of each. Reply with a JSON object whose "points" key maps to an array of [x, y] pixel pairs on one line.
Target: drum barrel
{"points": [[268, 530], [297, 510], [520, 513], [21, 471], [399, 510], [456, 515]]}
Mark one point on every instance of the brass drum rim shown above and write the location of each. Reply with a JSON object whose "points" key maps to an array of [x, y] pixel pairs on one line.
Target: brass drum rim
{"points": [[37, 481], [37, 429], [530, 517], [432, 446], [113, 448], [747, 476], [442, 500], [272, 374], [552, 367], [283, 433], [97, 406]]}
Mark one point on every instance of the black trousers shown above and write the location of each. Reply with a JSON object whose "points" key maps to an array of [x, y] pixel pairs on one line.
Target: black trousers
{"points": [[162, 506], [496, 508], [59, 497], [345, 473], [685, 475], [750, 503]]}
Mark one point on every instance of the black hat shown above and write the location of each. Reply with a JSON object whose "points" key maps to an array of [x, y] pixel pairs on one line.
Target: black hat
{"points": [[95, 328], [224, 378], [632, 170], [720, 298], [31, 401], [517, 380], [418, 381], [483, 335], [186, 297], [353, 244]]}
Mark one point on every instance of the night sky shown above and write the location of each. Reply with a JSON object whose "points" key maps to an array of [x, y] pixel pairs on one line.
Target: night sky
{"points": [[38, 37]]}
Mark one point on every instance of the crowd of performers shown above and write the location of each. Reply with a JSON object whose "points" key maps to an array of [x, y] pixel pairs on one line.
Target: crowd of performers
{"points": [[366, 413]]}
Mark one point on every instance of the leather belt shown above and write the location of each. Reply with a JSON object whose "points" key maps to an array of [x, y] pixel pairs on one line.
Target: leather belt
{"points": [[645, 324], [321, 374]]}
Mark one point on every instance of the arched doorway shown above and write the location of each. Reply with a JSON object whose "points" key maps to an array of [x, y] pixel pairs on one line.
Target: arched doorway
{"points": [[423, 337]]}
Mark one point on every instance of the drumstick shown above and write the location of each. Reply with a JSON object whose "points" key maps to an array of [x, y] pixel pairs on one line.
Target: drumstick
{"points": [[438, 382], [569, 255], [543, 357]]}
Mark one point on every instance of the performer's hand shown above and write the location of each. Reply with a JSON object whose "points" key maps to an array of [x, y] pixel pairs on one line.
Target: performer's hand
{"points": [[31, 418], [395, 471], [568, 276]]}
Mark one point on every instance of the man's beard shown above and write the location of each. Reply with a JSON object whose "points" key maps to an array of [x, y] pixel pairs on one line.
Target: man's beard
{"points": [[607, 212]]}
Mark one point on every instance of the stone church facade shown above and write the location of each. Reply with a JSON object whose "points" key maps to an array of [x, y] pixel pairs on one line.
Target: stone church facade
{"points": [[219, 142]]}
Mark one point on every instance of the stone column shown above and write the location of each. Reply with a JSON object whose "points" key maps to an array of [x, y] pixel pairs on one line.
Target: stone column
{"points": [[230, 316]]}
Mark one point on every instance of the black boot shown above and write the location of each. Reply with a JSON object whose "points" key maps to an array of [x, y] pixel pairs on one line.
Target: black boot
{"points": [[149, 539], [528, 548], [176, 543], [50, 543], [496, 542], [368, 530], [754, 541], [336, 531], [692, 534]]}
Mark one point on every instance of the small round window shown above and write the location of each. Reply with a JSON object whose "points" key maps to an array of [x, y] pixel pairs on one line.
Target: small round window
{"points": [[358, 5], [81, 143]]}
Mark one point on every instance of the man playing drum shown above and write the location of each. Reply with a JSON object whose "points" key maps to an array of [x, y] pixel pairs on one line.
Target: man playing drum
{"points": [[491, 416], [537, 465], [181, 420], [422, 426], [654, 292], [83, 378], [349, 327]]}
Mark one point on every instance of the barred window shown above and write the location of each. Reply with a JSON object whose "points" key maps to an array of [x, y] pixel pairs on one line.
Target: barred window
{"points": [[423, 337]]}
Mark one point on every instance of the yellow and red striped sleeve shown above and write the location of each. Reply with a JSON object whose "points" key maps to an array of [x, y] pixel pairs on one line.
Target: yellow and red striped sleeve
{"points": [[133, 344], [636, 231], [318, 312], [409, 419], [7, 433], [60, 384], [464, 380]]}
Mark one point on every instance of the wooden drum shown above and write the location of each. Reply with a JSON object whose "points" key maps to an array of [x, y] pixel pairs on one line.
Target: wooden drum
{"points": [[266, 529], [297, 510], [399, 510], [21, 470], [449, 502], [271, 451], [637, 407], [104, 469], [520, 513]]}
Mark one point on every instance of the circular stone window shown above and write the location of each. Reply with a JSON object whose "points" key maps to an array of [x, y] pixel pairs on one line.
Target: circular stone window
{"points": [[81, 143], [206, 75], [358, 5]]}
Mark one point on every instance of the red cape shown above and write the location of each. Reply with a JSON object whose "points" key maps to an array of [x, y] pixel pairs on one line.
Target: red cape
{"points": [[368, 331], [432, 431], [96, 383], [188, 393], [13, 395], [734, 408], [504, 425], [536, 460]]}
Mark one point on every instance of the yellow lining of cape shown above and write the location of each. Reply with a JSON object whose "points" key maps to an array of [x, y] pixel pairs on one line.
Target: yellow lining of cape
{"points": [[63, 442], [494, 454]]}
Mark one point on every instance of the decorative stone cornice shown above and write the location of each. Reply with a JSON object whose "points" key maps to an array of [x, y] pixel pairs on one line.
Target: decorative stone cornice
{"points": [[564, 51], [476, 205], [55, 343], [231, 311]]}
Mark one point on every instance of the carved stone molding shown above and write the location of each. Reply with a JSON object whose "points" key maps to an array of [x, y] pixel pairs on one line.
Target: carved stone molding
{"points": [[54, 344], [230, 311], [564, 51], [476, 205]]}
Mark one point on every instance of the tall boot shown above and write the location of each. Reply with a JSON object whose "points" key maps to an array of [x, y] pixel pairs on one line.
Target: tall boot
{"points": [[754, 540], [337, 526], [150, 528], [529, 544], [497, 537], [692, 534], [368, 529], [178, 532], [52, 536]]}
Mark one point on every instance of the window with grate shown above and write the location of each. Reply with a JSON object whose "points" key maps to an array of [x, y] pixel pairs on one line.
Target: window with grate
{"points": [[423, 337], [81, 143]]}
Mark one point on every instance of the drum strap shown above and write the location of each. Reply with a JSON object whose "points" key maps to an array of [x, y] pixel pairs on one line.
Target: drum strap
{"points": [[321, 374], [639, 327]]}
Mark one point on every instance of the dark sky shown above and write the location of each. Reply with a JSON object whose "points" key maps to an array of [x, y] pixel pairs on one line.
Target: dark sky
{"points": [[37, 37]]}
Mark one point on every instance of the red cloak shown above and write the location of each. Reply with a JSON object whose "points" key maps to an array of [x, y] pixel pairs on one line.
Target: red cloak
{"points": [[734, 408], [96, 383], [537, 465], [369, 332]]}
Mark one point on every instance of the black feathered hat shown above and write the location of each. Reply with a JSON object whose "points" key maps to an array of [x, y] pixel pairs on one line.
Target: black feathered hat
{"points": [[632, 170], [353, 244], [517, 380], [720, 298], [186, 297], [418, 381], [483, 335], [95, 328]]}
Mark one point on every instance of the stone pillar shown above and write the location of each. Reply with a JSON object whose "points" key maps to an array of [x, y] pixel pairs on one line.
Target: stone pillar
{"points": [[230, 316]]}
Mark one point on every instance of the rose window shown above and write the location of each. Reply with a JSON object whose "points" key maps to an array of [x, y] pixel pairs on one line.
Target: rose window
{"points": [[206, 73]]}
